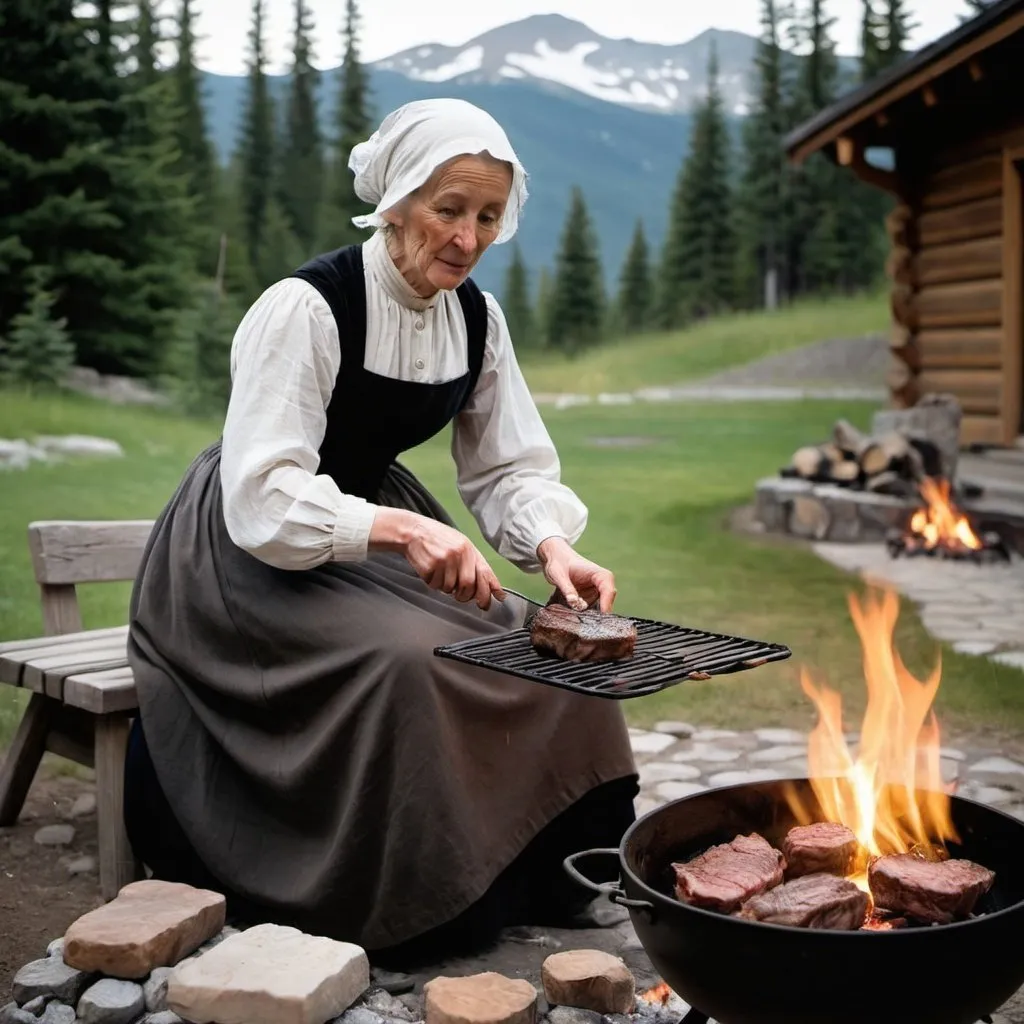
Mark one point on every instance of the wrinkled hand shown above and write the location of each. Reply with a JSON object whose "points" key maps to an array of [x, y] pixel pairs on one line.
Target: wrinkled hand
{"points": [[447, 560], [581, 583]]}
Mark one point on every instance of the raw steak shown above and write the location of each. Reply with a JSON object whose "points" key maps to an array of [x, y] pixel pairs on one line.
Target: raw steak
{"points": [[582, 636], [811, 901], [929, 891], [727, 875], [823, 846]]}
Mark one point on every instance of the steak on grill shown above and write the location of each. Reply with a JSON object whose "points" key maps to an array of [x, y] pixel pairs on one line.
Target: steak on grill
{"points": [[810, 901], [725, 876], [931, 891], [588, 635], [822, 846]]}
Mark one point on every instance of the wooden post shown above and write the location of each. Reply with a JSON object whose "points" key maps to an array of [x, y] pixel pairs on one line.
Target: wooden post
{"points": [[1012, 303]]}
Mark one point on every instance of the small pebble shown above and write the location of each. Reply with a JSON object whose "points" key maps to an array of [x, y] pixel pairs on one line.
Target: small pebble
{"points": [[12, 1014], [84, 865], [58, 1013], [359, 1015], [49, 977], [387, 1005], [56, 948], [85, 804], [111, 1001], [154, 989], [36, 1006], [572, 1015], [55, 835]]}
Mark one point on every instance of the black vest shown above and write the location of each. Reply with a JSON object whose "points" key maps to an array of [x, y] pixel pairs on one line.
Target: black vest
{"points": [[372, 419]]}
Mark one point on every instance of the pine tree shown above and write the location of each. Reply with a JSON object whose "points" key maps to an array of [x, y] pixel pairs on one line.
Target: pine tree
{"points": [[697, 269], [636, 294], [255, 156], [872, 41], [37, 351], [977, 6], [542, 306], [898, 28], [515, 303], [760, 200], [147, 39], [196, 161], [301, 165], [354, 124], [88, 194], [576, 311]]}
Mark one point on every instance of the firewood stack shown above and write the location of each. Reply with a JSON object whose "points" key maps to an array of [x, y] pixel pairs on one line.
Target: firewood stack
{"points": [[891, 463]]}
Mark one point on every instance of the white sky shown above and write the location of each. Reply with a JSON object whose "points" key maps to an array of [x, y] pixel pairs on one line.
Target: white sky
{"points": [[392, 25]]}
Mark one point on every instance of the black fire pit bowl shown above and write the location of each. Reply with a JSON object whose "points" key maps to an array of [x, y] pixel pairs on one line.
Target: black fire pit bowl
{"points": [[745, 972]]}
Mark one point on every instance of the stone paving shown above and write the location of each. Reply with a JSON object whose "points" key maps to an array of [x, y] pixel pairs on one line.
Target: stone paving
{"points": [[979, 609], [677, 760]]}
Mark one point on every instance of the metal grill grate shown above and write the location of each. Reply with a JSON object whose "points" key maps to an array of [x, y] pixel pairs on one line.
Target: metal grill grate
{"points": [[664, 656]]}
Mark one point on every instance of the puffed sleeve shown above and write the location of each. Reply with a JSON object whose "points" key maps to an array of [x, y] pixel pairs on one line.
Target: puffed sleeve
{"points": [[508, 471], [284, 361]]}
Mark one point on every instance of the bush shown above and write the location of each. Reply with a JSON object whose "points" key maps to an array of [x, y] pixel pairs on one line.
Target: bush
{"points": [[38, 352]]}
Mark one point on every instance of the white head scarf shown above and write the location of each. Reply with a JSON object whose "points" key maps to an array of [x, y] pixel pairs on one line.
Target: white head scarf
{"points": [[414, 140]]}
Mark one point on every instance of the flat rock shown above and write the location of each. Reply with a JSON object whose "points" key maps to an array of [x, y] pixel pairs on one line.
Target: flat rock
{"points": [[650, 742], [163, 1017], [487, 998], [781, 737], [48, 977], [13, 1014], [973, 647], [708, 754], [997, 766], [574, 1015], [681, 730], [111, 1001], [589, 979], [665, 771], [149, 924], [677, 790], [84, 865], [55, 835], [781, 753], [743, 777], [83, 805], [270, 974], [56, 947], [37, 1005], [1015, 659]]}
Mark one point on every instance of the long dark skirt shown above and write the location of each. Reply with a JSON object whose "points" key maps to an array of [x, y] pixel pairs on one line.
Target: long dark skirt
{"points": [[321, 764]]}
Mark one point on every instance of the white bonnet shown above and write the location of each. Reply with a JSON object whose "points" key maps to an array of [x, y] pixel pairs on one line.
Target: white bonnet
{"points": [[414, 140]]}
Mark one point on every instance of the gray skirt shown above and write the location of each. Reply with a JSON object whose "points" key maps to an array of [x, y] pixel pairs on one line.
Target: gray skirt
{"points": [[319, 759]]}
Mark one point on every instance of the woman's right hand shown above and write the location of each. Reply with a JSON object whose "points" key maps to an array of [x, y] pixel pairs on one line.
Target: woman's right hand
{"points": [[443, 558]]}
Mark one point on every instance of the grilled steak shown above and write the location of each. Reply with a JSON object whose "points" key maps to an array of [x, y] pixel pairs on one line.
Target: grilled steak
{"points": [[811, 901], [582, 636], [727, 875], [928, 891], [823, 846]]}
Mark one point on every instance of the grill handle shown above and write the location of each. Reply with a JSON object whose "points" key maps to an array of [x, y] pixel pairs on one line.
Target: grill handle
{"points": [[609, 889]]}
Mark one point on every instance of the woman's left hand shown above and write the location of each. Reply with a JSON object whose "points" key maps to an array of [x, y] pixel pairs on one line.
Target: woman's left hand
{"points": [[581, 582]]}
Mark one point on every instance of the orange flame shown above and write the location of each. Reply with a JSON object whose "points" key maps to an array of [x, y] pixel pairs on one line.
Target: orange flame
{"points": [[891, 795], [940, 522], [659, 995]]}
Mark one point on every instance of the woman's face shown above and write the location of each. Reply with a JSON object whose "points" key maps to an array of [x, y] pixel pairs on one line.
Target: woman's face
{"points": [[442, 229]]}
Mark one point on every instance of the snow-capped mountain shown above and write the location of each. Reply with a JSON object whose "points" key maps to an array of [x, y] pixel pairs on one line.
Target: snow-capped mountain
{"points": [[558, 53]]}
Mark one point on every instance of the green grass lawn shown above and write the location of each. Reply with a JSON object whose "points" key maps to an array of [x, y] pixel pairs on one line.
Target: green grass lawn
{"points": [[717, 344], [658, 517]]}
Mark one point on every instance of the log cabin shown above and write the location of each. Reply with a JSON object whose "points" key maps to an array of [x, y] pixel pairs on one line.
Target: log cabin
{"points": [[942, 133]]}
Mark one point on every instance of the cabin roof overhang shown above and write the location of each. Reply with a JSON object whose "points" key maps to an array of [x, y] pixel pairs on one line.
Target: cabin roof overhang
{"points": [[869, 102]]}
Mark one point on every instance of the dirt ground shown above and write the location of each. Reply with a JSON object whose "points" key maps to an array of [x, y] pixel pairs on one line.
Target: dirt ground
{"points": [[39, 899]]}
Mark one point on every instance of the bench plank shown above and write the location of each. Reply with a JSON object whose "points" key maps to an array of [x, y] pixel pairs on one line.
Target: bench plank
{"points": [[33, 643], [72, 552], [102, 693], [29, 668]]}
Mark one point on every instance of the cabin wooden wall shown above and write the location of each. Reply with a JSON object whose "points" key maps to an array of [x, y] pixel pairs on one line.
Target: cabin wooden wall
{"points": [[947, 266]]}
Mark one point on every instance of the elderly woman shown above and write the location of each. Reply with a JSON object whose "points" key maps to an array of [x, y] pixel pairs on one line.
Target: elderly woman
{"points": [[299, 746]]}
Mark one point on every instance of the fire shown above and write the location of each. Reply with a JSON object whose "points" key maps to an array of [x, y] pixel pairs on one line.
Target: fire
{"points": [[658, 996], [940, 522], [891, 795]]}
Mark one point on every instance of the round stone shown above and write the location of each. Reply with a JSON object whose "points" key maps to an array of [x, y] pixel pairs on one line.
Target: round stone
{"points": [[487, 998]]}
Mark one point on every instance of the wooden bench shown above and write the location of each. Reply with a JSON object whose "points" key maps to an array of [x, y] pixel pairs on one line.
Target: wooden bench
{"points": [[82, 691]]}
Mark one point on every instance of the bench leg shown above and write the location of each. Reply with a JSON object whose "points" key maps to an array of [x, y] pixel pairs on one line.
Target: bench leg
{"points": [[118, 865], [23, 757]]}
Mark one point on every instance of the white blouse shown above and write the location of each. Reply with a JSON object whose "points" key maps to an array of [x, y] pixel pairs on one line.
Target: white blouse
{"points": [[285, 357]]}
